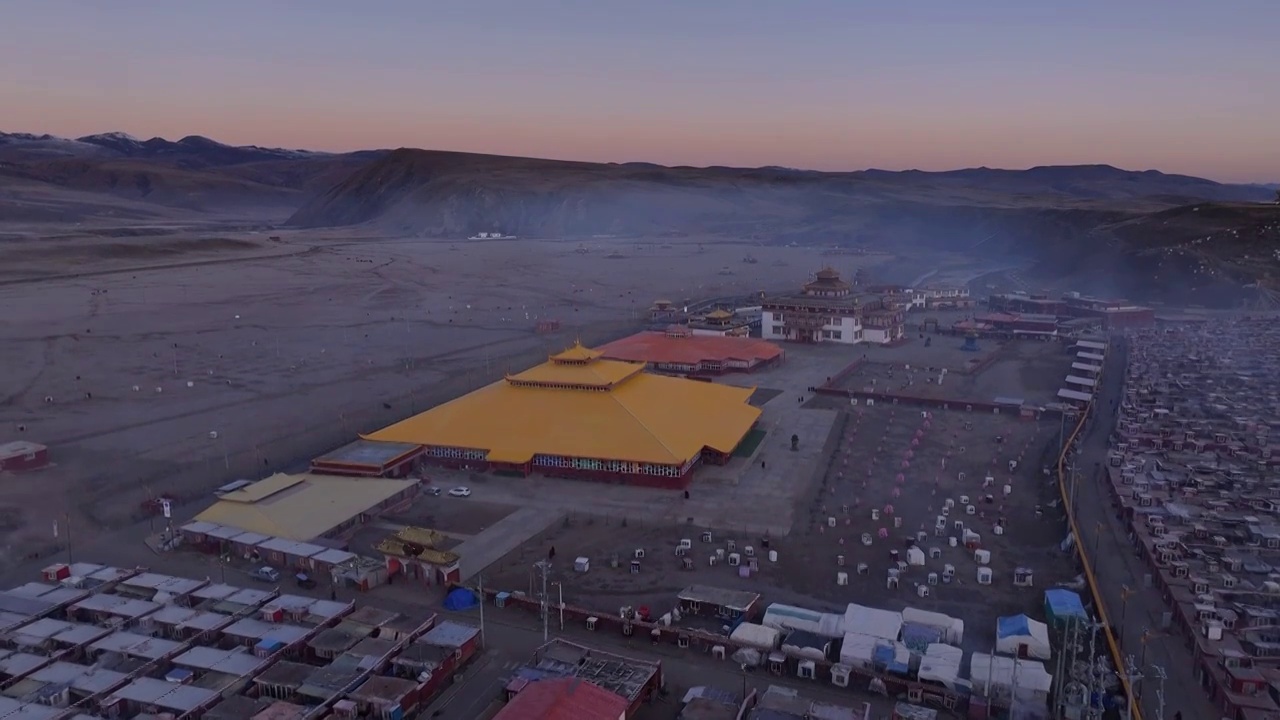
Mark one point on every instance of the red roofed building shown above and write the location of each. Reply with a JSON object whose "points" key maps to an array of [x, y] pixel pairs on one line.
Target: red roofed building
{"points": [[563, 699], [21, 455], [677, 350]]}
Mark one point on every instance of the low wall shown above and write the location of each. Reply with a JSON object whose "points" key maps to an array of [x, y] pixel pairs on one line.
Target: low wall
{"points": [[936, 403]]}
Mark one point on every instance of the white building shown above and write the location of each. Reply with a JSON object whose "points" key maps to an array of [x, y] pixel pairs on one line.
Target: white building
{"points": [[827, 310]]}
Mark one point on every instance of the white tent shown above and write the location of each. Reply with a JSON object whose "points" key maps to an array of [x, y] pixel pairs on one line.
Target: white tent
{"points": [[915, 556], [952, 628], [1020, 635], [875, 622], [941, 664], [1026, 680], [802, 644], [857, 650], [789, 617], [755, 636]]}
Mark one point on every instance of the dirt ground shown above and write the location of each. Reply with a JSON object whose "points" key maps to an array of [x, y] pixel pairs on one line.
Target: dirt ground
{"points": [[891, 478], [461, 518], [168, 360], [1029, 370]]}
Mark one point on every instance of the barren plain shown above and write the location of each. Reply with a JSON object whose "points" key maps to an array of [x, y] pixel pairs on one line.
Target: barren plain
{"points": [[169, 359]]}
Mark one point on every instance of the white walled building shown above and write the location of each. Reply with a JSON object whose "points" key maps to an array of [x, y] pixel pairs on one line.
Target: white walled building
{"points": [[827, 310]]}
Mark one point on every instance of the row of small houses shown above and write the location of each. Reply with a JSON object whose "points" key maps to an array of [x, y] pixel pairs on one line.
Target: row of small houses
{"points": [[408, 552], [196, 648], [915, 644], [913, 652], [1085, 374]]}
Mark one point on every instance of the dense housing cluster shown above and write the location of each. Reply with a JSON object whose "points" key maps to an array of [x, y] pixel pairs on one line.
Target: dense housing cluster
{"points": [[1038, 314], [89, 642], [1193, 472]]}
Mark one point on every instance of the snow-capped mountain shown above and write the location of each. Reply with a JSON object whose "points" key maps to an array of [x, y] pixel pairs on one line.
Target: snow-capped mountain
{"points": [[190, 151], [32, 146]]}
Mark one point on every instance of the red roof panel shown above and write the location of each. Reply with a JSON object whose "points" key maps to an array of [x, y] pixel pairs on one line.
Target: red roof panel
{"points": [[661, 348], [563, 699]]}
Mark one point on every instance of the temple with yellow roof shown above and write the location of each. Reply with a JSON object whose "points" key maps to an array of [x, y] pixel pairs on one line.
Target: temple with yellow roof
{"points": [[579, 415]]}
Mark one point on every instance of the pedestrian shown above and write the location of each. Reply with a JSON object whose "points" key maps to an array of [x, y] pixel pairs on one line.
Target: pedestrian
{"points": [[761, 464], [333, 594]]}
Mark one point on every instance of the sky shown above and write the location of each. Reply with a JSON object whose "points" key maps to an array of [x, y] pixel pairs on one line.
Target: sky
{"points": [[1189, 86]]}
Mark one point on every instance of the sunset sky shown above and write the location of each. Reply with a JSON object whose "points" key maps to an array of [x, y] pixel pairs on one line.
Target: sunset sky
{"points": [[1189, 86]]}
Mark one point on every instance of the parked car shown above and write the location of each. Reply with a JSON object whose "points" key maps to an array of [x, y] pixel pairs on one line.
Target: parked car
{"points": [[434, 492], [305, 581], [266, 573], [461, 491]]}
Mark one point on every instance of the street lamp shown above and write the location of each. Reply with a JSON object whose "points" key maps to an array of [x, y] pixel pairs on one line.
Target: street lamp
{"points": [[1125, 592], [1097, 538]]}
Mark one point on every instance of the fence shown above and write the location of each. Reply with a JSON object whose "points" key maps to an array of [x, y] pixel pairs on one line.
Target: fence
{"points": [[1117, 655]]}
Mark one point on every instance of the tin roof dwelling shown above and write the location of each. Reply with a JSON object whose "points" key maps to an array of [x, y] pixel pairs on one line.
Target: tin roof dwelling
{"points": [[307, 506], [1193, 472]]}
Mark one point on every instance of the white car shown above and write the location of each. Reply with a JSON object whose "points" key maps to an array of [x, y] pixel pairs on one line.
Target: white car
{"points": [[461, 492]]}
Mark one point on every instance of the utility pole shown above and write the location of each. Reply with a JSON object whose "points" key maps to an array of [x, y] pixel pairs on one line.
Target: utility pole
{"points": [[1125, 592], [1071, 500], [1061, 668], [480, 585], [560, 587], [543, 566], [1097, 538], [1133, 674], [1093, 667], [1161, 676]]}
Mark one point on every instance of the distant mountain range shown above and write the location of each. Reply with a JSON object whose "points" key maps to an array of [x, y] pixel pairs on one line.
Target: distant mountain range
{"points": [[118, 144], [1091, 220], [191, 174]]}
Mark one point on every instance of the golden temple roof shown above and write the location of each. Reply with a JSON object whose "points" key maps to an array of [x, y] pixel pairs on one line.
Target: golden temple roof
{"points": [[600, 409], [591, 374], [418, 543], [575, 353]]}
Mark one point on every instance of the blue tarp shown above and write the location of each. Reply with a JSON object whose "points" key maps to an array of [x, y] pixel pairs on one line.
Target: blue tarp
{"points": [[460, 599], [918, 637], [1061, 605], [1013, 626], [269, 645], [885, 656]]}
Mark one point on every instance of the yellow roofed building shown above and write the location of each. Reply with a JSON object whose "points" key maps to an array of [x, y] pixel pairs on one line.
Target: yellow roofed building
{"points": [[579, 415], [308, 506]]}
